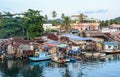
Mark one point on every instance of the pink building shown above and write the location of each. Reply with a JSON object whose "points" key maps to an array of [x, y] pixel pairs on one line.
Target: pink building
{"points": [[85, 26], [88, 23]]}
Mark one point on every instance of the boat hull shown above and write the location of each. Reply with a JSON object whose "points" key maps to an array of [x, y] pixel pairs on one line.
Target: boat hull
{"points": [[40, 58], [61, 61]]}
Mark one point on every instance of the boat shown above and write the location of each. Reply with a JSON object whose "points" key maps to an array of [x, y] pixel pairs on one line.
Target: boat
{"points": [[40, 63], [112, 52], [58, 60], [41, 56], [72, 59]]}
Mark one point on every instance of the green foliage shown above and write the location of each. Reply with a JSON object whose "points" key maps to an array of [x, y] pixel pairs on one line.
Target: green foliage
{"points": [[1, 19], [30, 25], [10, 27], [33, 23], [117, 20], [66, 23], [55, 22], [110, 22], [35, 30], [53, 30]]}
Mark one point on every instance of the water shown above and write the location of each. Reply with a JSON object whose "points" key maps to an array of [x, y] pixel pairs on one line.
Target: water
{"points": [[108, 68]]}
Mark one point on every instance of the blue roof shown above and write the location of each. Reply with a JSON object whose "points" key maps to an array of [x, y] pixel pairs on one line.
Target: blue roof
{"points": [[75, 37], [53, 42]]}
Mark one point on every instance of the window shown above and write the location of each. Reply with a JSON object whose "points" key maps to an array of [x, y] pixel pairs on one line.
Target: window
{"points": [[115, 48], [109, 46]]}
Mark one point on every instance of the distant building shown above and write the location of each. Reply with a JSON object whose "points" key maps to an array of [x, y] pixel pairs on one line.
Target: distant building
{"points": [[96, 35], [50, 27], [47, 26], [116, 27], [111, 28], [85, 26]]}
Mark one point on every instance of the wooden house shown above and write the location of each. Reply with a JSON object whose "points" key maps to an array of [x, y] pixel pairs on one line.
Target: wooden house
{"points": [[20, 47], [95, 34]]}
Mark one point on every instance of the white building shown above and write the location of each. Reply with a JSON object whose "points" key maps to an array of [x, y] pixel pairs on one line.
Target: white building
{"points": [[47, 26], [112, 28]]}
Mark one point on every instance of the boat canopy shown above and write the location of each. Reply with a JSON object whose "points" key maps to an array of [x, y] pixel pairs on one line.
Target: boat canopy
{"points": [[75, 37], [62, 45], [113, 43]]}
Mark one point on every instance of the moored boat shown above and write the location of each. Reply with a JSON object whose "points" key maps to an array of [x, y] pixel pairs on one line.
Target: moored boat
{"points": [[41, 56], [58, 60]]}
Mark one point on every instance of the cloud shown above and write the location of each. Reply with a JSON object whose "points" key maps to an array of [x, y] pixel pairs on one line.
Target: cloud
{"points": [[95, 11]]}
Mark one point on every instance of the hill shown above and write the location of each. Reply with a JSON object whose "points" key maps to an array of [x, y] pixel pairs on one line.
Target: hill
{"points": [[117, 20]]}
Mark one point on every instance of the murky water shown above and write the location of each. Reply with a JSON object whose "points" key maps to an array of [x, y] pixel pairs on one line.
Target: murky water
{"points": [[108, 68]]}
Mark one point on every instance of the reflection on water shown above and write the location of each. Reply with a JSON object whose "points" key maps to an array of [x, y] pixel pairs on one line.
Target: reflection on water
{"points": [[109, 68]]}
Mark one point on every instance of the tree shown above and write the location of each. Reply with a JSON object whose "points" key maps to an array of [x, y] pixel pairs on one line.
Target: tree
{"points": [[45, 18], [0, 19], [66, 23], [54, 14], [62, 15], [33, 22], [82, 17], [8, 15], [10, 26]]}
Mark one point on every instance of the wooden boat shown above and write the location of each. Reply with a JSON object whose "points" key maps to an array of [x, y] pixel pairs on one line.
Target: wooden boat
{"points": [[41, 56], [57, 60], [112, 52], [60, 59]]}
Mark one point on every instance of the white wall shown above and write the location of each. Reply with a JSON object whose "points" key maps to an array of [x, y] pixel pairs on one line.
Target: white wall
{"points": [[47, 26], [10, 49], [111, 48]]}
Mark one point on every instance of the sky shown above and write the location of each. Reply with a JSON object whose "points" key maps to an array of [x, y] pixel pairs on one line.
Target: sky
{"points": [[99, 9]]}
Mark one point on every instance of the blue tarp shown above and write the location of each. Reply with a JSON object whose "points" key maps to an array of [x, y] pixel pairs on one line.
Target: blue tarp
{"points": [[72, 51], [53, 42], [75, 37]]}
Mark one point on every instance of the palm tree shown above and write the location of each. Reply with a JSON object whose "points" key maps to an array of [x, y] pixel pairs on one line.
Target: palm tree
{"points": [[54, 14], [82, 17], [8, 15], [66, 23], [62, 15], [46, 18]]}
